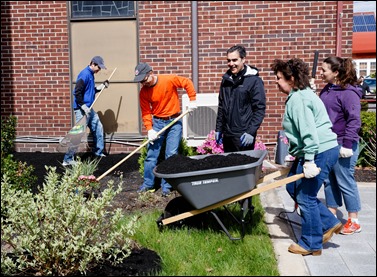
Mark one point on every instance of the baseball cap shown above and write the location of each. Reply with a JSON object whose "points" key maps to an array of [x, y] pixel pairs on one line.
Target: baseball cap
{"points": [[141, 70], [98, 60]]}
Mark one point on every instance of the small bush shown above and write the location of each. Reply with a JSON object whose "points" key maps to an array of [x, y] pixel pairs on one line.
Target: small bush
{"points": [[19, 173], [367, 137], [8, 135], [58, 231]]}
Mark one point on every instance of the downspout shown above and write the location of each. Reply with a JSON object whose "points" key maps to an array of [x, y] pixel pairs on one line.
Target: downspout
{"points": [[194, 44], [339, 23]]}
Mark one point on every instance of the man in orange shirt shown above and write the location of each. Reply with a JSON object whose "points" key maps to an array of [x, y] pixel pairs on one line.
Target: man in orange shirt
{"points": [[159, 102]]}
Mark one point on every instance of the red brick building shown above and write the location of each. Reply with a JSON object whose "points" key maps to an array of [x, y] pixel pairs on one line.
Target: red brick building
{"points": [[44, 44]]}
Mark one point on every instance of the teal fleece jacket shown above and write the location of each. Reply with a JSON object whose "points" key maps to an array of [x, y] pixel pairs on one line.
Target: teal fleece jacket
{"points": [[307, 125]]}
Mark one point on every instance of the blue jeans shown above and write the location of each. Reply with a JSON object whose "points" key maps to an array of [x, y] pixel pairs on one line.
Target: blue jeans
{"points": [[341, 181], [173, 137], [96, 129], [316, 218]]}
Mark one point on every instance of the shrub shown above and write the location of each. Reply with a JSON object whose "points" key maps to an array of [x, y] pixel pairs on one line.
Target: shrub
{"points": [[367, 136], [8, 135], [19, 173], [58, 231], [209, 146]]}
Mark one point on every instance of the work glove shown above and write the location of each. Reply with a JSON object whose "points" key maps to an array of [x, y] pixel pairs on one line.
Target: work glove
{"points": [[152, 135], [219, 137], [310, 169], [105, 84], [192, 106], [246, 139], [85, 109], [312, 84], [345, 152]]}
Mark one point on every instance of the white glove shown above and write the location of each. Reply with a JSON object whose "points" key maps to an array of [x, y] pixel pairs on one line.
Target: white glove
{"points": [[85, 109], [312, 84], [102, 86], [311, 170], [345, 152], [192, 106], [152, 135]]}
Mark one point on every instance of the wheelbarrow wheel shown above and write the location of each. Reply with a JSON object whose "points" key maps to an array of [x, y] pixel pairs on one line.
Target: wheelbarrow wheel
{"points": [[175, 207]]}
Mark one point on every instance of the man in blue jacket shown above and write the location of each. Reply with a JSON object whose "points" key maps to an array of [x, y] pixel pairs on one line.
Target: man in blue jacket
{"points": [[242, 103], [84, 96]]}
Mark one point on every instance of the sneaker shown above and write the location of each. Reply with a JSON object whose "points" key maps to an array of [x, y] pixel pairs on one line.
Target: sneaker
{"points": [[350, 227], [67, 163], [165, 193], [101, 155], [145, 189]]}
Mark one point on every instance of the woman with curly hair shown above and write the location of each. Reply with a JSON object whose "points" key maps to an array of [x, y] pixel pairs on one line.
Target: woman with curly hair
{"points": [[315, 148]]}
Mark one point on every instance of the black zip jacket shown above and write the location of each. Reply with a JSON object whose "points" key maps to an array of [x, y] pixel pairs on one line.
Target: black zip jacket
{"points": [[242, 104]]}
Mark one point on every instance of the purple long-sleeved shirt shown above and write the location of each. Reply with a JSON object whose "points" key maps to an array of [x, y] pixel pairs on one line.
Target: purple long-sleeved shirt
{"points": [[343, 107]]}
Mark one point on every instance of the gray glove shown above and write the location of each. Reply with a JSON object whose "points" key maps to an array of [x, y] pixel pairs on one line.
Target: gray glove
{"points": [[246, 139], [85, 109]]}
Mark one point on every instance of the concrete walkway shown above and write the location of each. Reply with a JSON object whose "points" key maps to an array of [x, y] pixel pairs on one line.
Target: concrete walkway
{"points": [[352, 255]]}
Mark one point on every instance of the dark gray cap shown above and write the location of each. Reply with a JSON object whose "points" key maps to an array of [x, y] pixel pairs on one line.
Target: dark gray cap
{"points": [[98, 60], [141, 70]]}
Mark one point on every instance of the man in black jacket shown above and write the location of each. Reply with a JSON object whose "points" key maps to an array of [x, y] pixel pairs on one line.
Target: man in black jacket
{"points": [[242, 103]]}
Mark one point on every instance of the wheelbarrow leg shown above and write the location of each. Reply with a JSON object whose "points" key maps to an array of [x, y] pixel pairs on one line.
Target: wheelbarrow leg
{"points": [[247, 209]]}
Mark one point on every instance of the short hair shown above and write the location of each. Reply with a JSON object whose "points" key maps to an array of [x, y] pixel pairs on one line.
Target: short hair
{"points": [[239, 48]]}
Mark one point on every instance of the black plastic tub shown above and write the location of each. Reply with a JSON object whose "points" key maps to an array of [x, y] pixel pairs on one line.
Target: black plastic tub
{"points": [[207, 187]]}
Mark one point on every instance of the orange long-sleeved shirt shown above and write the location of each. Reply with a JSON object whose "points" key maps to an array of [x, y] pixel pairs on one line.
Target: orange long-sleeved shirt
{"points": [[162, 99]]}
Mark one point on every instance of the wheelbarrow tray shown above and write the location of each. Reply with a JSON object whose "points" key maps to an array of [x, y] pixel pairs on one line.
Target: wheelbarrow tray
{"points": [[204, 188]]}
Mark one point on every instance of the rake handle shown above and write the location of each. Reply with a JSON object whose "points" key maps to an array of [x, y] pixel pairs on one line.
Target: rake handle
{"points": [[99, 93], [142, 145]]}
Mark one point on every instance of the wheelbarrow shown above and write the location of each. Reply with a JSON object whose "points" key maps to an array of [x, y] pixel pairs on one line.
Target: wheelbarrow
{"points": [[206, 190]]}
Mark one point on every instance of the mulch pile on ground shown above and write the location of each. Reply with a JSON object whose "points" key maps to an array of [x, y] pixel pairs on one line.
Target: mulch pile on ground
{"points": [[179, 163]]}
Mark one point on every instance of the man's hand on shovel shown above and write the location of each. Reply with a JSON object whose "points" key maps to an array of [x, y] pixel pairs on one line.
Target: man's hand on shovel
{"points": [[192, 106]]}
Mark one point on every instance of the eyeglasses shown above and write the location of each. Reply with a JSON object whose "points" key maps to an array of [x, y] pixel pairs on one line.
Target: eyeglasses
{"points": [[97, 66], [145, 79]]}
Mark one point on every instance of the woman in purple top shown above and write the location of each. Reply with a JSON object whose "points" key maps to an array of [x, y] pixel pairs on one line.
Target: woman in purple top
{"points": [[341, 97]]}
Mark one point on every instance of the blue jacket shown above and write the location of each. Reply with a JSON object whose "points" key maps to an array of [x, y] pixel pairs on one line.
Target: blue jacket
{"points": [[242, 103], [343, 107], [85, 89], [307, 125]]}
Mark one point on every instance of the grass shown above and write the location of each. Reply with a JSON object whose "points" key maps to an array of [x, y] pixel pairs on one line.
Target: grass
{"points": [[208, 251]]}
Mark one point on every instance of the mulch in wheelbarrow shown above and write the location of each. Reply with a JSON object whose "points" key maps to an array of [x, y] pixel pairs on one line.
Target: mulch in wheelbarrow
{"points": [[179, 163]]}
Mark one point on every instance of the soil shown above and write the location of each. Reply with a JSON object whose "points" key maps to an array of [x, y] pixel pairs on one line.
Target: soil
{"points": [[142, 261]]}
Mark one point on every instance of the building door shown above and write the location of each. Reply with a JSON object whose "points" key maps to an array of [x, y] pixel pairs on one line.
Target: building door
{"points": [[108, 29]]}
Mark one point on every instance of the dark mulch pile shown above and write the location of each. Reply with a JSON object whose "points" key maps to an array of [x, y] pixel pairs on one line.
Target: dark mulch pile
{"points": [[142, 261], [180, 163]]}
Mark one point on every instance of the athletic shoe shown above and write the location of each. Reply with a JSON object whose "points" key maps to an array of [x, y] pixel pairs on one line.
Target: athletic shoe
{"points": [[166, 193], [350, 227], [67, 163], [145, 189]]}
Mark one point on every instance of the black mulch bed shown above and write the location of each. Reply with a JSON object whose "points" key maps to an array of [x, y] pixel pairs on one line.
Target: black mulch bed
{"points": [[142, 261]]}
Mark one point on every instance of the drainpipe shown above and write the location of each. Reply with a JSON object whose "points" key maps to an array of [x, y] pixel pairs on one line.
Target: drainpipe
{"points": [[339, 28], [194, 44]]}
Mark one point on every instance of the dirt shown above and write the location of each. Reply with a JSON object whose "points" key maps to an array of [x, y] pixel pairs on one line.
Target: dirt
{"points": [[142, 261]]}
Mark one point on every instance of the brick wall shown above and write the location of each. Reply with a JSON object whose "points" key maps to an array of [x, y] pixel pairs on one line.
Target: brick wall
{"points": [[35, 51]]}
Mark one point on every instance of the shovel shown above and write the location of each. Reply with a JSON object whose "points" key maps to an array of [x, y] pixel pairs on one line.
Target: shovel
{"points": [[142, 145]]}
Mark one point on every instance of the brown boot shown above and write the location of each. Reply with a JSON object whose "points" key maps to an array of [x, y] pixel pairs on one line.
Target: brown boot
{"points": [[297, 249], [330, 232]]}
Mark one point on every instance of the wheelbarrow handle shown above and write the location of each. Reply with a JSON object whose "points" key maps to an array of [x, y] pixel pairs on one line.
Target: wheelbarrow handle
{"points": [[142, 145]]}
